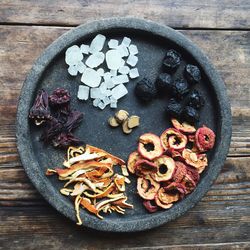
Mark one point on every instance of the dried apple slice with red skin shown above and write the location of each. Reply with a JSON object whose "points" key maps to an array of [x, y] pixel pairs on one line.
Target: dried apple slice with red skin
{"points": [[183, 127], [195, 160], [192, 172], [161, 204], [166, 197], [177, 142], [150, 146], [149, 206], [132, 159], [204, 139], [189, 184], [191, 138], [180, 171], [145, 167], [165, 168], [147, 188], [176, 186]]}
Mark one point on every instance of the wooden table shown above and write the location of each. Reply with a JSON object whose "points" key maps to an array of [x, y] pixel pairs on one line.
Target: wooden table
{"points": [[222, 29]]}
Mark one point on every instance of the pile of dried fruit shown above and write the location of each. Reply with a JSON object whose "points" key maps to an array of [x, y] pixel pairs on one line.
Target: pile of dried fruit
{"points": [[92, 182], [54, 112], [128, 122], [168, 167], [185, 101]]}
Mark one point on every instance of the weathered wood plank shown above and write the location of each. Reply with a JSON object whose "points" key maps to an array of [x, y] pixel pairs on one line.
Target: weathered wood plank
{"points": [[202, 225], [179, 13]]}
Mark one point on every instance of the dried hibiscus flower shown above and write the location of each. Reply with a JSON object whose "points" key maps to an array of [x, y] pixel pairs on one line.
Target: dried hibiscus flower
{"points": [[59, 97], [53, 128], [60, 122], [74, 120], [59, 133], [39, 112], [64, 140]]}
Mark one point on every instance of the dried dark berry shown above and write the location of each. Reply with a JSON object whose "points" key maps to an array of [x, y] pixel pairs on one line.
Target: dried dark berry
{"points": [[145, 90], [174, 108], [180, 88], [163, 82], [172, 60], [40, 109], [192, 73], [190, 114], [195, 99], [60, 96]]}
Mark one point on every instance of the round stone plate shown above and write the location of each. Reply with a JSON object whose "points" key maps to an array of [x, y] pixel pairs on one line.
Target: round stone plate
{"points": [[50, 72]]}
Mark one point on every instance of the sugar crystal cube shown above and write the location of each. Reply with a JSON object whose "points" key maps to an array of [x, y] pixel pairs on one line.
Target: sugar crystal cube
{"points": [[73, 55], [91, 78], [97, 43], [101, 105], [113, 43], [132, 60], [124, 70], [119, 91], [113, 59], [120, 79], [110, 84], [100, 71], [96, 102], [133, 73], [133, 49], [72, 70], [80, 67], [107, 76], [126, 41], [83, 92], [113, 72], [95, 60], [84, 49], [123, 51]]}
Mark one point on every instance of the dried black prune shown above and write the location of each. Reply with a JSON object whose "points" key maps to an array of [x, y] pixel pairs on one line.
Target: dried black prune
{"points": [[40, 112], [163, 82], [174, 108], [180, 88], [195, 99], [145, 90], [190, 114], [60, 96], [192, 73], [172, 60]]}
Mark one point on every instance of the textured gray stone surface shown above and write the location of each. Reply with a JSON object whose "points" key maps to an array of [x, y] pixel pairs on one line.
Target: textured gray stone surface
{"points": [[49, 72]]}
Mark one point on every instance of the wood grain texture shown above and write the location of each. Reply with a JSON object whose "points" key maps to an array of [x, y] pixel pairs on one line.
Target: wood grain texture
{"points": [[221, 220], [179, 13]]}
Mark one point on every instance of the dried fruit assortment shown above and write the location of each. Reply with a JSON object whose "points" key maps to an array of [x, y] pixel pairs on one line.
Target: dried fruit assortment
{"points": [[168, 167], [54, 112], [92, 182], [185, 102], [122, 118]]}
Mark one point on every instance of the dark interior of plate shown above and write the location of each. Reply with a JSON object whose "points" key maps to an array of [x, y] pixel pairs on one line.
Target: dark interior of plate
{"points": [[152, 40]]}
